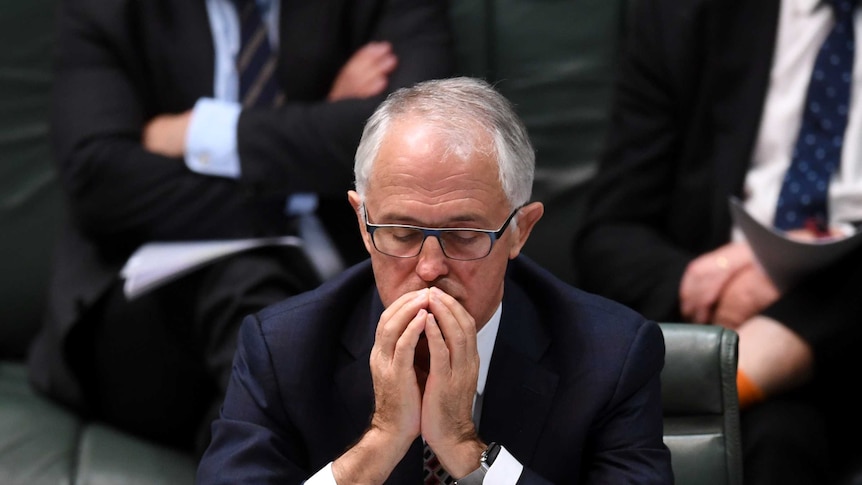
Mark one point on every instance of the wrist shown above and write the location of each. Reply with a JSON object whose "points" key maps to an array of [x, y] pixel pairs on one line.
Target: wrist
{"points": [[371, 460], [486, 459]]}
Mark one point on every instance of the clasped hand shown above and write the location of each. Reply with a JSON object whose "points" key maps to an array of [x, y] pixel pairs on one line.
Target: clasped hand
{"points": [[725, 286], [427, 392]]}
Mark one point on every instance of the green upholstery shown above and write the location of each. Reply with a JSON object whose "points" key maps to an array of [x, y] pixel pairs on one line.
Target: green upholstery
{"points": [[555, 60], [701, 409], [109, 457], [41, 442], [29, 198], [37, 438]]}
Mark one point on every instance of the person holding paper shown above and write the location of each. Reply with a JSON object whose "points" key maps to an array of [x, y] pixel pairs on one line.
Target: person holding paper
{"points": [[195, 121], [448, 354], [757, 100]]}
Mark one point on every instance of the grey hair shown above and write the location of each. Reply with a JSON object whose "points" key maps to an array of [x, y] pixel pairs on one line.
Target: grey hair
{"points": [[463, 109]]}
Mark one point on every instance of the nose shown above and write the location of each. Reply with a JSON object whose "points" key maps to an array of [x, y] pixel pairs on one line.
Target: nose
{"points": [[432, 263]]}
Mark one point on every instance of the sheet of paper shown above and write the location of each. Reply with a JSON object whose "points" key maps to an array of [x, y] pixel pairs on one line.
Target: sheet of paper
{"points": [[155, 264], [787, 260]]}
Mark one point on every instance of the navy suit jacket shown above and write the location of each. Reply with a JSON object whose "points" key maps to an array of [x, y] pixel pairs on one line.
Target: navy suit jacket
{"points": [[573, 389]]}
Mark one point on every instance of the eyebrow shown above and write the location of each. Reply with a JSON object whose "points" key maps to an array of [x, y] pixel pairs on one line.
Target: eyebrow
{"points": [[400, 219]]}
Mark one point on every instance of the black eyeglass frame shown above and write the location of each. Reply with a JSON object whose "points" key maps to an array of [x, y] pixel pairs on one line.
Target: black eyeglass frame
{"points": [[437, 232]]}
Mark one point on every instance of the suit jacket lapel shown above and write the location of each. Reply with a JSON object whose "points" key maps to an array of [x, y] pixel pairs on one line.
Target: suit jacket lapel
{"points": [[354, 377], [519, 391], [740, 89], [182, 49]]}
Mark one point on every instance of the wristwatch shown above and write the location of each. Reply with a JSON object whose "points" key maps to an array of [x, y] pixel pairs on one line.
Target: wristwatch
{"points": [[485, 461]]}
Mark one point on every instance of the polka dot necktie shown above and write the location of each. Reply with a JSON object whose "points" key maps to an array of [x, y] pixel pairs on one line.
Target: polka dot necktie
{"points": [[434, 473], [817, 153], [256, 61]]}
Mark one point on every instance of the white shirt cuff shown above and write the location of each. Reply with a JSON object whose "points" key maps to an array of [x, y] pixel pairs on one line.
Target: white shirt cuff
{"points": [[211, 145], [506, 469], [322, 477]]}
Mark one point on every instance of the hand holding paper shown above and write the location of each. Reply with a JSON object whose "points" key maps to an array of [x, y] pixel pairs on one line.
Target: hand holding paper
{"points": [[787, 258]]}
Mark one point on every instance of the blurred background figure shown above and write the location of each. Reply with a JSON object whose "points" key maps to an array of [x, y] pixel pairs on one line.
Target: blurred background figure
{"points": [[194, 121], [757, 100]]}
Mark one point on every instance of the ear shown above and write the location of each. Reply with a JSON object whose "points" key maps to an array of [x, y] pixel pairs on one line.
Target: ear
{"points": [[356, 202], [527, 218]]}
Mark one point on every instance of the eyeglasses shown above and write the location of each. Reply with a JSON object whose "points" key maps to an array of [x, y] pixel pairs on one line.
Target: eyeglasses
{"points": [[462, 244]]}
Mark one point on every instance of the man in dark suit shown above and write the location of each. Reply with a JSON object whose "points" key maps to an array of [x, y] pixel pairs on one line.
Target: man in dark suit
{"points": [[139, 86], [709, 104], [447, 336]]}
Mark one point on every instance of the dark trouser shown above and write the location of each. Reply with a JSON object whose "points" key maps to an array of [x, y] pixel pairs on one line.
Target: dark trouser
{"points": [[784, 442], [158, 366], [809, 436]]}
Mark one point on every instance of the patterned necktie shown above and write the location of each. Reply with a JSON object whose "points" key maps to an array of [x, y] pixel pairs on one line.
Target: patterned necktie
{"points": [[434, 473], [817, 154], [256, 61]]}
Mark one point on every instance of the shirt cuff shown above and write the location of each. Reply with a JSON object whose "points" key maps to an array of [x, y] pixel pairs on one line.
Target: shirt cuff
{"points": [[506, 469], [322, 477], [211, 144]]}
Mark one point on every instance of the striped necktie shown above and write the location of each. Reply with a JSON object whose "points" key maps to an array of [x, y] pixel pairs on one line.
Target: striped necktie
{"points": [[256, 61], [434, 473], [817, 153]]}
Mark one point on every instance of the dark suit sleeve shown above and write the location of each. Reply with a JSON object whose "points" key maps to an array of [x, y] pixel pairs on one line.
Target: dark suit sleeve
{"points": [[249, 440], [122, 62], [628, 446], [624, 251], [310, 146], [103, 95]]}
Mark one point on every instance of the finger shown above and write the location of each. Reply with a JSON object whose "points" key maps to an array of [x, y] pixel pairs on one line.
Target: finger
{"points": [[703, 315], [405, 347], [441, 307], [457, 326], [397, 316], [385, 64], [371, 52], [436, 346]]}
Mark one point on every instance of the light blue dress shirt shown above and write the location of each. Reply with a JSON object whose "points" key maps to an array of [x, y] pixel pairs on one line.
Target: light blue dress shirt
{"points": [[211, 144]]}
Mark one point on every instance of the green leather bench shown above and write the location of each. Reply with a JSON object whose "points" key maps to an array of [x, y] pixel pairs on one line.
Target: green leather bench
{"points": [[701, 408], [40, 442]]}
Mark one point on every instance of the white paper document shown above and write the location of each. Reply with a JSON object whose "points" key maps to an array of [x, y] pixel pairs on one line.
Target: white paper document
{"points": [[155, 264], [784, 259]]}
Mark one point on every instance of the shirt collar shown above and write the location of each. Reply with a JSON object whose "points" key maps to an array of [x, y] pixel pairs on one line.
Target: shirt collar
{"points": [[806, 7], [485, 339]]}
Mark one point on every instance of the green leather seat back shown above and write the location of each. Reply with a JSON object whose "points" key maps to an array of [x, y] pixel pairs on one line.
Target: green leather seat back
{"points": [[29, 195], [555, 60], [38, 439], [701, 408]]}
